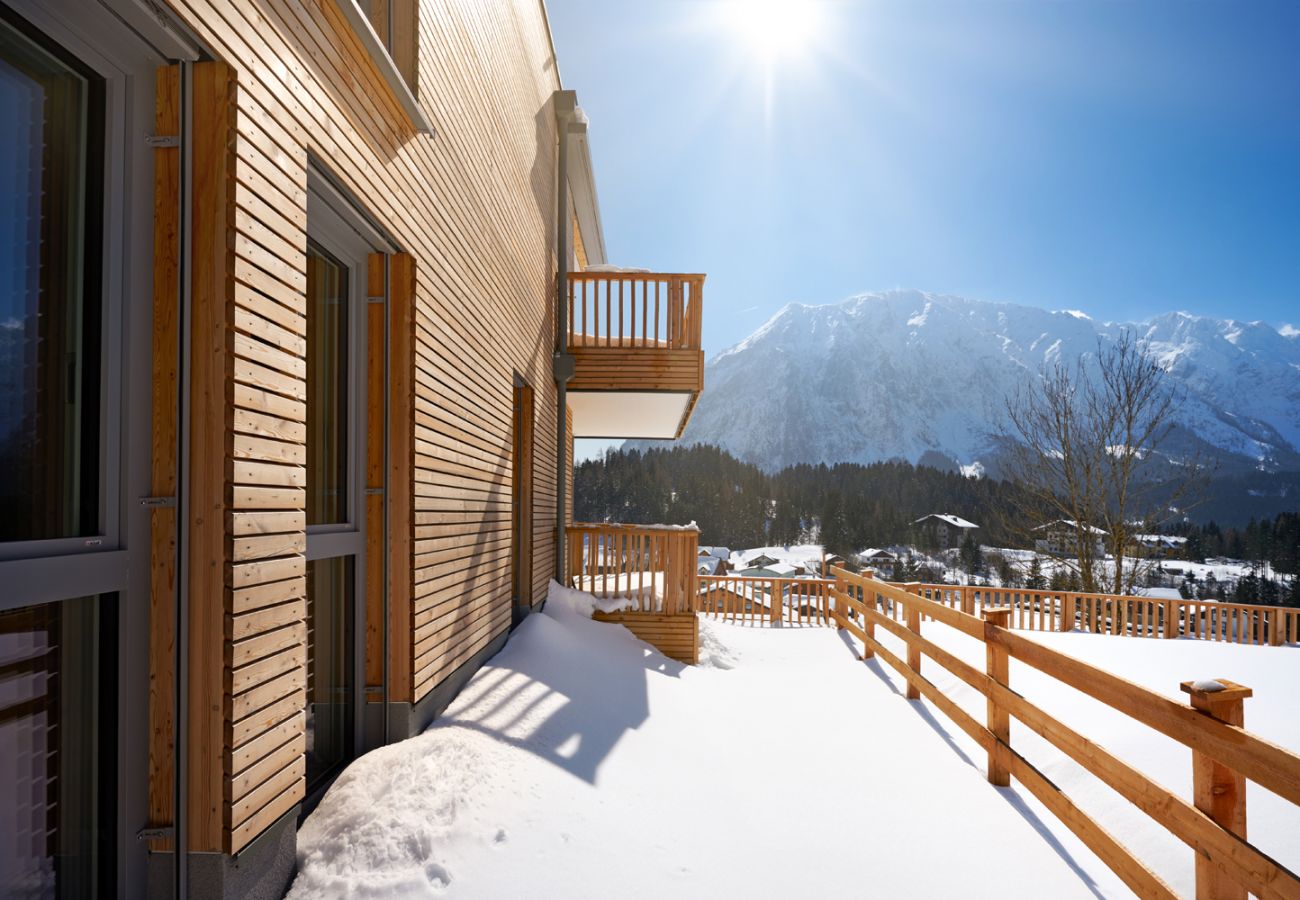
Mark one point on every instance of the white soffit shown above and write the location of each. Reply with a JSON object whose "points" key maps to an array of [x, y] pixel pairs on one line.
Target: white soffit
{"points": [[627, 414], [582, 185]]}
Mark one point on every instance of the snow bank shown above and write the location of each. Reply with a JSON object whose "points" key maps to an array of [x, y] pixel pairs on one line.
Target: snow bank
{"points": [[582, 763]]}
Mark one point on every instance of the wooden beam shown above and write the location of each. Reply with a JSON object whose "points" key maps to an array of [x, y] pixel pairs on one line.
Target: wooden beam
{"points": [[211, 450]]}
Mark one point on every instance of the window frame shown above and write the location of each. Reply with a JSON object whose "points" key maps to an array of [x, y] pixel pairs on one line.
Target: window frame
{"points": [[374, 46]]}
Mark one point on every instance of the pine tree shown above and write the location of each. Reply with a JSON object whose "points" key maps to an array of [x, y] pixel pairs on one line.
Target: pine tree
{"points": [[1035, 580]]}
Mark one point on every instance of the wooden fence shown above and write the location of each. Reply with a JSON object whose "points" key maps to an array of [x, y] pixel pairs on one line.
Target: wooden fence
{"points": [[635, 309], [794, 601], [653, 566], [1033, 610], [1224, 754]]}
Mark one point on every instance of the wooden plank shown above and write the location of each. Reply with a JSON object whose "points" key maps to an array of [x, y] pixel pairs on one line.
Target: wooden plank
{"points": [[163, 465], [210, 440]]}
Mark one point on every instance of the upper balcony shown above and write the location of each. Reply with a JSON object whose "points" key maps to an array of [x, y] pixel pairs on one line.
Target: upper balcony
{"points": [[638, 363]]}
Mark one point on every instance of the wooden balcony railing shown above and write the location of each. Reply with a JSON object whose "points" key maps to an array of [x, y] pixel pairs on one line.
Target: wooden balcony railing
{"points": [[1223, 754], [762, 601], [653, 567], [635, 310]]}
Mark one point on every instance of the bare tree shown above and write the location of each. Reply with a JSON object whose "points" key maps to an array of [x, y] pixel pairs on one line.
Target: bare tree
{"points": [[1082, 441]]}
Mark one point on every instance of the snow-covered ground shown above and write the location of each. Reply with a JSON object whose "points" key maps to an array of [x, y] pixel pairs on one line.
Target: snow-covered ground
{"points": [[582, 763]]}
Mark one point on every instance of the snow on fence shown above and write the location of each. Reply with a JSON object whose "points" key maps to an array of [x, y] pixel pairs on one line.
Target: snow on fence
{"points": [[1033, 610], [1224, 754], [740, 598], [652, 567]]}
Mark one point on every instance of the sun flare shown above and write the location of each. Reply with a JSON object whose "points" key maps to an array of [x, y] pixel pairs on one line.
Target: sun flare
{"points": [[775, 28]]}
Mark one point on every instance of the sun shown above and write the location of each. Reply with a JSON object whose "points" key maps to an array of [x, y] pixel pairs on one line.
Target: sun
{"points": [[775, 28]]}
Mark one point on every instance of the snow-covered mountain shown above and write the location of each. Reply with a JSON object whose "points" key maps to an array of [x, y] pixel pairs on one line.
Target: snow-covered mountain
{"points": [[924, 377]]}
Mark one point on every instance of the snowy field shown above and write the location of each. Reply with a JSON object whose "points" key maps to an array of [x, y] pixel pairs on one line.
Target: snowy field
{"points": [[581, 763]]}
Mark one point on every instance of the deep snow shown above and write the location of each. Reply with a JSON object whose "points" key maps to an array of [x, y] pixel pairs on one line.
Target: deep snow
{"points": [[582, 763]]}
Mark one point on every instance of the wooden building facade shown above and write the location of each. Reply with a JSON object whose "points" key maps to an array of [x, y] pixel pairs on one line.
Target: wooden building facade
{"points": [[284, 442]]}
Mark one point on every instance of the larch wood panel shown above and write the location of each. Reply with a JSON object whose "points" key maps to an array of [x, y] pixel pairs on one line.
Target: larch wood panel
{"points": [[210, 450], [676, 636]]}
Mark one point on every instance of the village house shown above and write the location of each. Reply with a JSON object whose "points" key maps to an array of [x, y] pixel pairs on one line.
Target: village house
{"points": [[307, 316], [1061, 538], [880, 561], [943, 531], [1157, 546]]}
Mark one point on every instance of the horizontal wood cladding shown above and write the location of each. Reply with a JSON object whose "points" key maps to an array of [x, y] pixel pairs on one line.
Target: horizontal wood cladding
{"points": [[473, 210], [266, 633], [637, 369], [675, 636]]}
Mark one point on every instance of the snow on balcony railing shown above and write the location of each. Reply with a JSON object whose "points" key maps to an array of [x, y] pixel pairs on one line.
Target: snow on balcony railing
{"points": [[650, 567]]}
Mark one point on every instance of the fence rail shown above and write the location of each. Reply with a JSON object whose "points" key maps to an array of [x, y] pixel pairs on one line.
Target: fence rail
{"points": [[1224, 753], [635, 309], [1035, 610], [760, 601], [651, 566]]}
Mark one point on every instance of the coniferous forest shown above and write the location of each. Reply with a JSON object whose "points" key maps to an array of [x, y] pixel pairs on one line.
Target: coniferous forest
{"points": [[847, 507]]}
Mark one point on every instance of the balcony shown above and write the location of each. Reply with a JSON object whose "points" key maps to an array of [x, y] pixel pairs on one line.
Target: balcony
{"points": [[635, 342], [644, 577]]}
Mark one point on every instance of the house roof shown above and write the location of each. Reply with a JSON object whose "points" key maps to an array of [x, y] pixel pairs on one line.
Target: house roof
{"points": [[877, 553], [955, 521], [708, 565], [719, 552], [1069, 523]]}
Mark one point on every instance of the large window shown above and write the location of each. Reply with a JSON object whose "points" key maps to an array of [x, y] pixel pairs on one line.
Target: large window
{"points": [[55, 700], [50, 194]]}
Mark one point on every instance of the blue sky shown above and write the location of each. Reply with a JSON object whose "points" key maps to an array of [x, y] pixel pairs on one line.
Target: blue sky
{"points": [[1121, 158]]}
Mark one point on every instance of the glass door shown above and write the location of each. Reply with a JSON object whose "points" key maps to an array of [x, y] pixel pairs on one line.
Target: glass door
{"points": [[336, 268]]}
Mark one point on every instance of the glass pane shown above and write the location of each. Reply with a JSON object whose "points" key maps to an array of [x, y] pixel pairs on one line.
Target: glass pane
{"points": [[329, 667], [49, 299], [327, 382], [54, 832]]}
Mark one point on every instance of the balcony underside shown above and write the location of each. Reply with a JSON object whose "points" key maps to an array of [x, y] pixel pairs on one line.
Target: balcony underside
{"points": [[635, 342], [659, 415]]}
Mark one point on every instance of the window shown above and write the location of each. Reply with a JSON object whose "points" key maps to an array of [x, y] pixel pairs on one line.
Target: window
{"points": [[521, 503], [330, 669], [55, 704], [396, 22], [328, 380], [49, 291]]}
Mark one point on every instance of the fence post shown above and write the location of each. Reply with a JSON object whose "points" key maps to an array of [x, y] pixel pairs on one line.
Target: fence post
{"points": [[968, 600], [1275, 627], [1217, 790], [913, 651], [998, 667], [868, 626], [778, 602], [1068, 603], [1171, 620]]}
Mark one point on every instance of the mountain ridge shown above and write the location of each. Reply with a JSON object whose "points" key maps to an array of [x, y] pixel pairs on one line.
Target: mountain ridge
{"points": [[922, 376]]}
